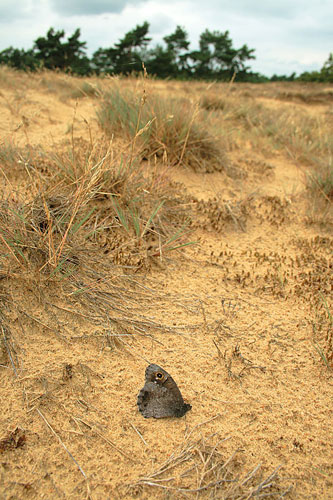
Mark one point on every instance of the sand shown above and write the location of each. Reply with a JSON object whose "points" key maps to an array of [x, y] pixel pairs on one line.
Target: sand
{"points": [[236, 323]]}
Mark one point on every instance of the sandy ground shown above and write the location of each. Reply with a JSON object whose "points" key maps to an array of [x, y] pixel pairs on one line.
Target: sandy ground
{"points": [[237, 311]]}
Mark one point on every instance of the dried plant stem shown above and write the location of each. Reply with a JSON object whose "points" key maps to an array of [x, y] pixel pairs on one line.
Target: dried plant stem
{"points": [[139, 434], [8, 349], [196, 110], [11, 251], [67, 451], [93, 429]]}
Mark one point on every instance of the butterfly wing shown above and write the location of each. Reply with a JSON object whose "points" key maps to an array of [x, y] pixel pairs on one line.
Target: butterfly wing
{"points": [[160, 397], [155, 401]]}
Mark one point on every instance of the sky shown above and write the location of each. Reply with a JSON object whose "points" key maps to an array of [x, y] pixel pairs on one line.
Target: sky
{"points": [[287, 35]]}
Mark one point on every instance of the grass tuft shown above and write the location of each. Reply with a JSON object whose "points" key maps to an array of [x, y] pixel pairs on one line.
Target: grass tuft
{"points": [[88, 194], [166, 128], [320, 182]]}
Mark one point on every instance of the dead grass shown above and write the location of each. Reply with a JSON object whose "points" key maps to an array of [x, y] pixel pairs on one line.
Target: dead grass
{"points": [[8, 154], [212, 101], [87, 193], [304, 93], [65, 87], [198, 469], [91, 233], [70, 87], [307, 95], [241, 119], [171, 129], [39, 235], [320, 182], [222, 215], [9, 75]]}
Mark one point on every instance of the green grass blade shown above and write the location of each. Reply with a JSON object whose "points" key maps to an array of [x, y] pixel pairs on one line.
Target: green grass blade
{"points": [[321, 354], [78, 224], [17, 214], [326, 307], [18, 250], [136, 221], [181, 245], [152, 217], [120, 214], [178, 234], [58, 268]]}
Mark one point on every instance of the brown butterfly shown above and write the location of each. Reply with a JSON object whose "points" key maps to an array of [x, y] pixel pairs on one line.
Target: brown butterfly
{"points": [[160, 396]]}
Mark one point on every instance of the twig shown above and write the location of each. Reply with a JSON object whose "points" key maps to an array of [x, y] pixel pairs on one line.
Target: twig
{"points": [[261, 368], [139, 434], [8, 350], [202, 423], [218, 349], [93, 429], [44, 325], [206, 462], [189, 490], [251, 474], [70, 311], [264, 484], [67, 450]]}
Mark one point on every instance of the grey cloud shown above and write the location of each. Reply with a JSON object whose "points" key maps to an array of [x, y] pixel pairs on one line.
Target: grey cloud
{"points": [[283, 9], [9, 11], [89, 7], [261, 9], [160, 23]]}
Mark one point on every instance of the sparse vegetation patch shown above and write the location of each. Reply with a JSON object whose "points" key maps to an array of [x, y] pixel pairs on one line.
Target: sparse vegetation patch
{"points": [[171, 129], [130, 239]]}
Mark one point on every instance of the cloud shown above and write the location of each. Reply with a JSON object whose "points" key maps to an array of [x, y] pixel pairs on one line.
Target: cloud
{"points": [[282, 9], [160, 23], [89, 7], [10, 11]]}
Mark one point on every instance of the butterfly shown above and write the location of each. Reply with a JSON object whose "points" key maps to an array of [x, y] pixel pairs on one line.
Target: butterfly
{"points": [[160, 396]]}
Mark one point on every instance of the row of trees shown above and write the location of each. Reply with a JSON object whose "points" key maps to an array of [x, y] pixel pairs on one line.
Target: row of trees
{"points": [[324, 75], [216, 57]]}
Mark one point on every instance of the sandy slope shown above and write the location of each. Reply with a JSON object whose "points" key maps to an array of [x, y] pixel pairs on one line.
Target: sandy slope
{"points": [[240, 346]]}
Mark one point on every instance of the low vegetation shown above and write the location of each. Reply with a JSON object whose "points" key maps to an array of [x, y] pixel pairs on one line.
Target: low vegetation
{"points": [[87, 194], [187, 222], [171, 129]]}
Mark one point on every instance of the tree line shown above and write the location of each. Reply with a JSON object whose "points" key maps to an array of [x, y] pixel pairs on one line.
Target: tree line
{"points": [[216, 58]]}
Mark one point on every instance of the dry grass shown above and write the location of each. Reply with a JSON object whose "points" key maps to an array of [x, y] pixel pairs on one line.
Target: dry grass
{"points": [[320, 182], [89, 193], [70, 87], [86, 223], [213, 101], [168, 128], [8, 154], [198, 469], [240, 117]]}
